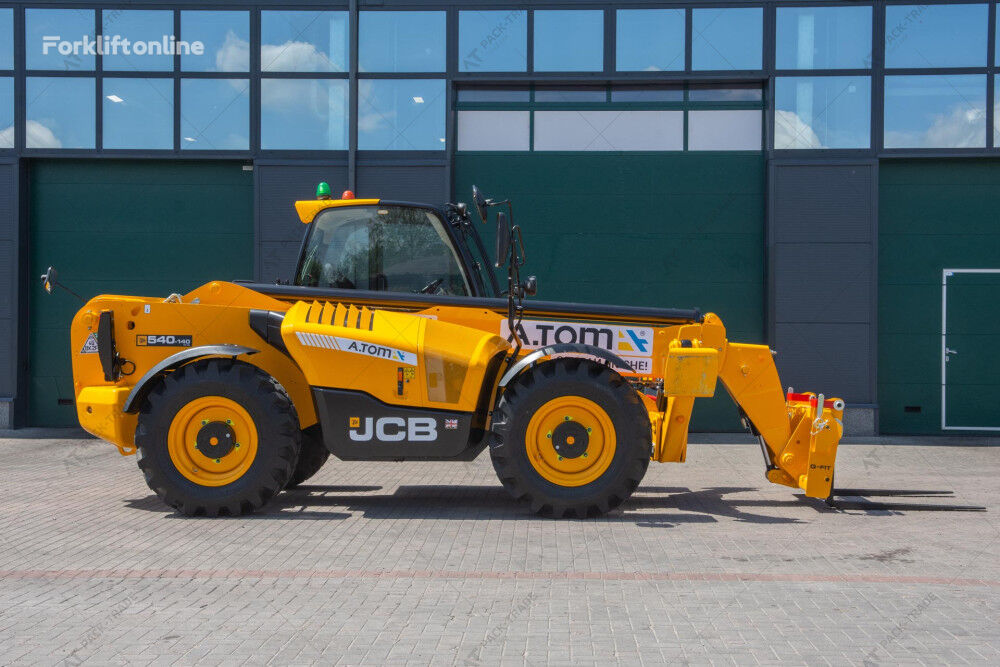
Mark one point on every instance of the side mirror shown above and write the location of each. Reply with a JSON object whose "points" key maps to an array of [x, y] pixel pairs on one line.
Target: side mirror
{"points": [[503, 239], [480, 201], [49, 279]]}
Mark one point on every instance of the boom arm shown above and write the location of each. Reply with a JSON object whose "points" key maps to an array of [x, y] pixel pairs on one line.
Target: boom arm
{"points": [[799, 433]]}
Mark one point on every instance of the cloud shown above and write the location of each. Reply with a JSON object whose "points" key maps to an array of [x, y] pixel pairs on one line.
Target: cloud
{"points": [[790, 131], [963, 126], [234, 55], [37, 136], [295, 57]]}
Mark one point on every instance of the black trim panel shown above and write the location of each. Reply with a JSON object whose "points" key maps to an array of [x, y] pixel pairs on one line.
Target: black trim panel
{"points": [[391, 432], [531, 307]]}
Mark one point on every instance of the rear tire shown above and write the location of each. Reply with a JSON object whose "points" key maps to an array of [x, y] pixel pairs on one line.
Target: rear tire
{"points": [[217, 438], [571, 437], [312, 456]]}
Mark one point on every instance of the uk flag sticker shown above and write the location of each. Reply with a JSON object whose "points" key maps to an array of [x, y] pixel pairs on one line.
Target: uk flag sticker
{"points": [[451, 424]]}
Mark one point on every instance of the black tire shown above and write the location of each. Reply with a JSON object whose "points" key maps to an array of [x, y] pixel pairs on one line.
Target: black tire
{"points": [[272, 415], [570, 377], [312, 456]]}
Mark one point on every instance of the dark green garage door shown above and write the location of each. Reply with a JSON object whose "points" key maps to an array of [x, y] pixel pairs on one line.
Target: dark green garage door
{"points": [[125, 227], [668, 229], [939, 245]]}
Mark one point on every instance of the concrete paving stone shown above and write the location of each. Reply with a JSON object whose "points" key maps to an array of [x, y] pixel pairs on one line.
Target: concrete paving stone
{"points": [[431, 563]]}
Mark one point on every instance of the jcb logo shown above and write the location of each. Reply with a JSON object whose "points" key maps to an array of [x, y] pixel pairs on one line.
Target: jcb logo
{"points": [[393, 429]]}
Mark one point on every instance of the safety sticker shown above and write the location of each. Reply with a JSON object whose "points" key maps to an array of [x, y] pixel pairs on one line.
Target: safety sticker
{"points": [[163, 340], [357, 347], [90, 346]]}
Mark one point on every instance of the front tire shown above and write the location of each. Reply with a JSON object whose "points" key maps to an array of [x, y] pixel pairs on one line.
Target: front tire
{"points": [[217, 438], [571, 437]]}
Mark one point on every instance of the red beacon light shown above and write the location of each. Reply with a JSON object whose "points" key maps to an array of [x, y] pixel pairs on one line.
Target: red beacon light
{"points": [[347, 195]]}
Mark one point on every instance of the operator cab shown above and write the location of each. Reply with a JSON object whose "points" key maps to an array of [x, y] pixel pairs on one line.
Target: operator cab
{"points": [[378, 245]]}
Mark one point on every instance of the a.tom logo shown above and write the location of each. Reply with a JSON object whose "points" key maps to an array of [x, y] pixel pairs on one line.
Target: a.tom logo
{"points": [[357, 347], [393, 429], [633, 344]]}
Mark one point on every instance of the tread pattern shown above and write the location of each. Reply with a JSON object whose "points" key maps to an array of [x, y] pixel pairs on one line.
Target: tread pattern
{"points": [[560, 377], [278, 435], [312, 456]]}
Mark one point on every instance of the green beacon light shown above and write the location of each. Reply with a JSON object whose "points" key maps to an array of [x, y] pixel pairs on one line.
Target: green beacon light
{"points": [[323, 190]]}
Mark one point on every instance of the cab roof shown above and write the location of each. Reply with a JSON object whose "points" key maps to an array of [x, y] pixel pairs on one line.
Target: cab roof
{"points": [[310, 208]]}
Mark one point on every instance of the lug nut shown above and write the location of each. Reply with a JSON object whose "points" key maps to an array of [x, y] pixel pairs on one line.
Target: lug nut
{"points": [[204, 421], [229, 421], [585, 455], [566, 418], [218, 461]]}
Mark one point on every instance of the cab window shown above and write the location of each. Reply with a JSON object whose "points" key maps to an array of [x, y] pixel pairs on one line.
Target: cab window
{"points": [[384, 248]]}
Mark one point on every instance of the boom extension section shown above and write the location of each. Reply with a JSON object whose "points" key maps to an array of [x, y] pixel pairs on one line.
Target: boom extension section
{"points": [[799, 433]]}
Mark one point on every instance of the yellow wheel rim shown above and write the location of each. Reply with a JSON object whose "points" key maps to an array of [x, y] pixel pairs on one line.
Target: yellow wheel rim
{"points": [[212, 441], [570, 441]]}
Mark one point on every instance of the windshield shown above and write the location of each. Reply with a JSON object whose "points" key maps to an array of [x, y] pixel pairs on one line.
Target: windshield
{"points": [[385, 248]]}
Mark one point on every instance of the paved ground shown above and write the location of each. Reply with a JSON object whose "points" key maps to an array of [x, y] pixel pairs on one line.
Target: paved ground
{"points": [[432, 563]]}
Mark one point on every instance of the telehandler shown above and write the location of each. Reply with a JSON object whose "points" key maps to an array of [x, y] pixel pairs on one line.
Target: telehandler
{"points": [[395, 342]]}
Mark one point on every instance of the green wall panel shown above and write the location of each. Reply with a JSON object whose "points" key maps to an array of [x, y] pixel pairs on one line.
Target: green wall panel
{"points": [[933, 214], [125, 227], [666, 229]]}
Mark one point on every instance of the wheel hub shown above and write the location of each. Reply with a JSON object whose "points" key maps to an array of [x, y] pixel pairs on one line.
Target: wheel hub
{"points": [[215, 440], [212, 440], [570, 439]]}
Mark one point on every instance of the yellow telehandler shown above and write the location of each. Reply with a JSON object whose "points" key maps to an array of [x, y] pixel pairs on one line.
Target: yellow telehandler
{"points": [[396, 341]]}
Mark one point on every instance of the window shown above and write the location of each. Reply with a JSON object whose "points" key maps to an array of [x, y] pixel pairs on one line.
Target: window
{"points": [[304, 114], [401, 42], [733, 92], [647, 93], [935, 35], [493, 41], [493, 95], [70, 34], [575, 94], [569, 41], [649, 40], [724, 130], [494, 130], [6, 39], [390, 248], [6, 112], [138, 113], [303, 41], [401, 114], [822, 112], [215, 114], [727, 38], [996, 108], [824, 37], [225, 37], [61, 112], [935, 111], [143, 36], [609, 130]]}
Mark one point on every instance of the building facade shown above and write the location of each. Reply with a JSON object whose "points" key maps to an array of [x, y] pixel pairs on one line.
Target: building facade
{"points": [[824, 175]]}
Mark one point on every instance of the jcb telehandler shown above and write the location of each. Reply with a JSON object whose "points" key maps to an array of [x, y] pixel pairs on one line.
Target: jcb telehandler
{"points": [[396, 342]]}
